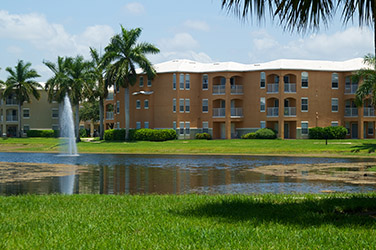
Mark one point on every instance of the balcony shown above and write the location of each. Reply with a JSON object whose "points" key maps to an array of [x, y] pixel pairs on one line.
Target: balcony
{"points": [[351, 88], [110, 115], [236, 112], [368, 112], [12, 118], [272, 88], [351, 112], [11, 102], [237, 89], [272, 112], [290, 87], [110, 96], [219, 112], [290, 111], [219, 89]]}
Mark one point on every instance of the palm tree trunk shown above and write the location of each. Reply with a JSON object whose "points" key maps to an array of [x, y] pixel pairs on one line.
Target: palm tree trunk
{"points": [[101, 118], [77, 123], [19, 120], [126, 107]]}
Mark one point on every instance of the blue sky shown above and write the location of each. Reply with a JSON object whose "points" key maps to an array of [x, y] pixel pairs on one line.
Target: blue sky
{"points": [[191, 29]]}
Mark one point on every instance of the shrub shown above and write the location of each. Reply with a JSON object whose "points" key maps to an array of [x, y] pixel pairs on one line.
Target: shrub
{"points": [[83, 132], [41, 133], [330, 132], [316, 133], [265, 133], [147, 134], [203, 136], [249, 136], [114, 135]]}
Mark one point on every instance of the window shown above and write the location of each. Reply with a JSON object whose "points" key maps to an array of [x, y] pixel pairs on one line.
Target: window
{"points": [[174, 105], [262, 124], [146, 104], [118, 125], [304, 128], [334, 81], [26, 128], [181, 105], [138, 125], [149, 83], [262, 104], [141, 81], [187, 105], [276, 79], [370, 128], [205, 105], [181, 128], [205, 82], [55, 127], [187, 81], [118, 107], [55, 113], [334, 104], [174, 81], [304, 80], [334, 124], [181, 82], [117, 88], [205, 127], [262, 80], [26, 113], [146, 124], [347, 126], [304, 106], [187, 128], [174, 125], [138, 104]]}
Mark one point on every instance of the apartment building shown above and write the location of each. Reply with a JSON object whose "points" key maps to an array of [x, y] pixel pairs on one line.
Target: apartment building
{"points": [[38, 114], [230, 99]]}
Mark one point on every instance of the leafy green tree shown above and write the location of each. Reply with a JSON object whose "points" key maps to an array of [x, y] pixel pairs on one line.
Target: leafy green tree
{"points": [[89, 111], [308, 14], [100, 88], [125, 54], [368, 77], [22, 84]]}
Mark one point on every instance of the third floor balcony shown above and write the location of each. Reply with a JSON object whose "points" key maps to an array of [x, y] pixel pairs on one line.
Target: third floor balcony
{"points": [[237, 89], [290, 87], [351, 112], [219, 89], [368, 112], [272, 88]]}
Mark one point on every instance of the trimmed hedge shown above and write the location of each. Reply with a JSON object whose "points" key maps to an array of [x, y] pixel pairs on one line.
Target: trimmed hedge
{"points": [[330, 132], [203, 136], [42, 133], [144, 134], [249, 136], [265, 133]]}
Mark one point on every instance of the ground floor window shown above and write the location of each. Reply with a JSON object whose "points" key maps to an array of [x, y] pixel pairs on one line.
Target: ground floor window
{"points": [[205, 127], [138, 125], [181, 128], [304, 128], [262, 124], [335, 124]]}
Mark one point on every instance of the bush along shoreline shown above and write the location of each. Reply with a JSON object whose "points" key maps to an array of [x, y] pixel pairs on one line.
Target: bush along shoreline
{"points": [[144, 134], [263, 133]]}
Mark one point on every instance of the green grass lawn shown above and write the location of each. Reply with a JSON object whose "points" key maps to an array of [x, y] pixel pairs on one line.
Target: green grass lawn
{"points": [[340, 221], [259, 147]]}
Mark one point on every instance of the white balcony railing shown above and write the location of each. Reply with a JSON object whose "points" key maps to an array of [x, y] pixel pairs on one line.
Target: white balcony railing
{"points": [[290, 87], [351, 88], [11, 102], [219, 89], [272, 112], [351, 112], [237, 89], [369, 111], [290, 111], [272, 88], [219, 112], [110, 96], [236, 112], [110, 115], [12, 118]]}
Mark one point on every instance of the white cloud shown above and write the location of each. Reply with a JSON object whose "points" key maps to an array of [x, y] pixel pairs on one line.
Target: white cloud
{"points": [[49, 37], [181, 41], [197, 25], [342, 45], [134, 8], [14, 50]]}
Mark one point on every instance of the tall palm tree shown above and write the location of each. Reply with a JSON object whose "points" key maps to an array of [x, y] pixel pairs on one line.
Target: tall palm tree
{"points": [[368, 77], [21, 83], [100, 88], [308, 14], [126, 54]]}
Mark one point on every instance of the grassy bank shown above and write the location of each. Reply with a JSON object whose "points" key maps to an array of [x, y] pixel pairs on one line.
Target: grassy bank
{"points": [[259, 147], [340, 221]]}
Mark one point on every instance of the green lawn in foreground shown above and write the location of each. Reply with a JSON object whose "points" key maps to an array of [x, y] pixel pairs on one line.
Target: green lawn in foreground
{"points": [[340, 221], [282, 147]]}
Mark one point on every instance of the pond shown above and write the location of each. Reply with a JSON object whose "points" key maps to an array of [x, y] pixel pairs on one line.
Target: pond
{"points": [[157, 174]]}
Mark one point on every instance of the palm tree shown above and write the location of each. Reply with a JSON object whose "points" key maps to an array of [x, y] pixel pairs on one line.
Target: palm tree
{"points": [[368, 77], [100, 89], [21, 83], [125, 54], [304, 15]]}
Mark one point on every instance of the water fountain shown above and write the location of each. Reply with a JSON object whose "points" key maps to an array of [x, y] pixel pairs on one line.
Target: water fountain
{"points": [[69, 146]]}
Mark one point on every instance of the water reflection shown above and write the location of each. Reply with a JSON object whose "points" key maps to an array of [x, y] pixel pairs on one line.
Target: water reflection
{"points": [[160, 175]]}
